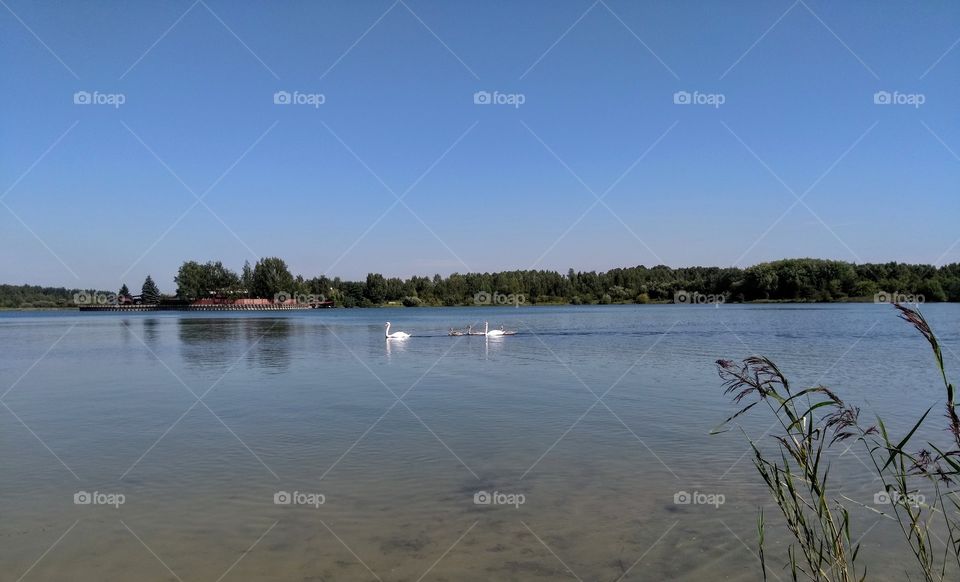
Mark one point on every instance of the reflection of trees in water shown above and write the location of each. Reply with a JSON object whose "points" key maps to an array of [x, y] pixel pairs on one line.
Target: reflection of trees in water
{"points": [[205, 342], [263, 343], [272, 337], [125, 333], [136, 333], [151, 332]]}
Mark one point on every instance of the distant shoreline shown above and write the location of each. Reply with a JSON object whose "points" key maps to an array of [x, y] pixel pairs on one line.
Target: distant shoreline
{"points": [[269, 281], [227, 309]]}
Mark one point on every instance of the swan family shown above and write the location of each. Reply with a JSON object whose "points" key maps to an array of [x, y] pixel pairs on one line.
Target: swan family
{"points": [[402, 335]]}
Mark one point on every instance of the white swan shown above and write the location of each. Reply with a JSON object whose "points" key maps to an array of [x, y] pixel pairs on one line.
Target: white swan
{"points": [[397, 335], [491, 332]]}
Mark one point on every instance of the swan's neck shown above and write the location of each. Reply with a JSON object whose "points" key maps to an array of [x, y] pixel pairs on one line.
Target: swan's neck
{"points": [[386, 332], [486, 327]]}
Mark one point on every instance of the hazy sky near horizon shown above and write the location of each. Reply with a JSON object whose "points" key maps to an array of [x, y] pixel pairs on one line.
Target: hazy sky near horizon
{"points": [[589, 155]]}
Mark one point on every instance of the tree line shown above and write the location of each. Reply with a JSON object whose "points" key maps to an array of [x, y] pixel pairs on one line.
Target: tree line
{"points": [[813, 280], [805, 280]]}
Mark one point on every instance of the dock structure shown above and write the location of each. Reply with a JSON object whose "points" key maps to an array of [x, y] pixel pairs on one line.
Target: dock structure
{"points": [[189, 307], [214, 302]]}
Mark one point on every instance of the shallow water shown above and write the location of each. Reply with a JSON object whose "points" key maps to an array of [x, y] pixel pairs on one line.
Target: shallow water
{"points": [[198, 420]]}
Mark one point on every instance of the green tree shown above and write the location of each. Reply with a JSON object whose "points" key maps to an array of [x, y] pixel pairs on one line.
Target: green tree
{"points": [[150, 292], [221, 279], [195, 280], [124, 291], [932, 290], [271, 276], [191, 280], [246, 278], [865, 288], [375, 289], [618, 293]]}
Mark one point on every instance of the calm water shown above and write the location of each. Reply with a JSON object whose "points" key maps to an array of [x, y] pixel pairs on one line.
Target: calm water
{"points": [[199, 420]]}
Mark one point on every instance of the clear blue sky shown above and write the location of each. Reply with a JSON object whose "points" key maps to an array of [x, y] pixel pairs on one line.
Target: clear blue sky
{"points": [[198, 79]]}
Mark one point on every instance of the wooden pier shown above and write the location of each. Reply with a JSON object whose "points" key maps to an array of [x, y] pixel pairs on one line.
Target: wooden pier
{"points": [[222, 307]]}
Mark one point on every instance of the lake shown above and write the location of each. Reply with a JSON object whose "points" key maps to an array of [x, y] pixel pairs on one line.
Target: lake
{"points": [[303, 446]]}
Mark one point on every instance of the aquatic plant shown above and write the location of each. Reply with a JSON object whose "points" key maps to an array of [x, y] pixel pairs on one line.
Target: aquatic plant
{"points": [[811, 421]]}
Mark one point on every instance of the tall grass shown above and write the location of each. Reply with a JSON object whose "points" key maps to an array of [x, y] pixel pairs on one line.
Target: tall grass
{"points": [[812, 420]]}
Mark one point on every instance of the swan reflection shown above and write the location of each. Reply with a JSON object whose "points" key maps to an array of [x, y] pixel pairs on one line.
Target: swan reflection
{"points": [[394, 346]]}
